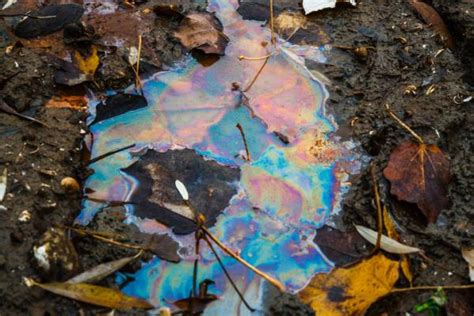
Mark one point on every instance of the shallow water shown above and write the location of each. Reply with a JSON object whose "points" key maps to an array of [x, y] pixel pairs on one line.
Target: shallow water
{"points": [[285, 192]]}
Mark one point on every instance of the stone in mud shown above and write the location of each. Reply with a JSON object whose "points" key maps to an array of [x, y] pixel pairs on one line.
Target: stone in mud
{"points": [[119, 104], [55, 255], [210, 187], [58, 17]]}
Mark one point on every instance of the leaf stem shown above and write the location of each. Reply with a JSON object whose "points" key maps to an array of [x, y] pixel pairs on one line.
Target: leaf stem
{"points": [[433, 287], [257, 75], [245, 141], [379, 207], [405, 126]]}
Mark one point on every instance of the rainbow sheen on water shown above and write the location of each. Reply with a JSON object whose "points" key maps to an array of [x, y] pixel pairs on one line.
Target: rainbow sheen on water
{"points": [[285, 193]]}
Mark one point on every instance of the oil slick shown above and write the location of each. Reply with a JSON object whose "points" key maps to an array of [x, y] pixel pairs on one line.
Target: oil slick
{"points": [[288, 190]]}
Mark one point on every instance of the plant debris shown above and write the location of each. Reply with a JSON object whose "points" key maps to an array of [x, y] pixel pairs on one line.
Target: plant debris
{"points": [[203, 31], [7, 109], [317, 5], [468, 255], [351, 291], [386, 243], [3, 183], [48, 20], [118, 104], [82, 68], [92, 294], [419, 174]]}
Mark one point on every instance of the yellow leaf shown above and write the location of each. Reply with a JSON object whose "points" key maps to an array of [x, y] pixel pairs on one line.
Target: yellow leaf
{"points": [[89, 64], [92, 294], [392, 233], [351, 291]]}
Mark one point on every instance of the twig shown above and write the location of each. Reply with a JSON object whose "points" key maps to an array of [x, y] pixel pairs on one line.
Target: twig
{"points": [[379, 207], [138, 82], [104, 239], [273, 281], [271, 23], [245, 141], [256, 75], [228, 275], [110, 153], [242, 57], [27, 14], [406, 127], [433, 287]]}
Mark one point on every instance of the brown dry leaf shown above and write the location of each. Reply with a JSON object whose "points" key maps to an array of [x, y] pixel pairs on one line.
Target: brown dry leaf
{"points": [[203, 31], [468, 255], [351, 291], [92, 294], [392, 233], [87, 65], [432, 17], [290, 22], [419, 174]]}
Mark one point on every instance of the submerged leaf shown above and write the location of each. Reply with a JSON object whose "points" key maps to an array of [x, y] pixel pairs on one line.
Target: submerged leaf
{"points": [[101, 271], [387, 244], [419, 173], [92, 294], [351, 291], [203, 31], [432, 17]]}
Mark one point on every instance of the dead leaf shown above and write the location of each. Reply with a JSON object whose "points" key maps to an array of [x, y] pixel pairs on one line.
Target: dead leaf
{"points": [[432, 17], [419, 174], [88, 64], [196, 305], [387, 244], [101, 271], [392, 233], [203, 31], [351, 291], [92, 294], [7, 109], [289, 22], [468, 255]]}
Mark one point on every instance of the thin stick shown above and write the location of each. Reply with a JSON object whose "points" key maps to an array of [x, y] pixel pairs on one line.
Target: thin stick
{"points": [[271, 22], [242, 57], [256, 75], [138, 83], [107, 240], [110, 153], [406, 127], [198, 236], [27, 14], [228, 275], [434, 287], [379, 207], [273, 281], [245, 141]]}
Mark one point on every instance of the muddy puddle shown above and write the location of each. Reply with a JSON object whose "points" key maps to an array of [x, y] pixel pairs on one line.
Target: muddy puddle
{"points": [[265, 204]]}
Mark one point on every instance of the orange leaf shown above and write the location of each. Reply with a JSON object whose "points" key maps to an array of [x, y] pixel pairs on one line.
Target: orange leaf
{"points": [[432, 17], [351, 291], [419, 174], [392, 233]]}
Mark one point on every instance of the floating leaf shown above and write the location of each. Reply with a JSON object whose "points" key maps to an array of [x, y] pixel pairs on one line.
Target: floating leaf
{"points": [[101, 271], [203, 31], [419, 173], [392, 233], [431, 17], [468, 255], [351, 291], [92, 294], [387, 244]]}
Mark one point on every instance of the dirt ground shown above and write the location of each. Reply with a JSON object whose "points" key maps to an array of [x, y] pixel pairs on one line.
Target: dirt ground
{"points": [[403, 51]]}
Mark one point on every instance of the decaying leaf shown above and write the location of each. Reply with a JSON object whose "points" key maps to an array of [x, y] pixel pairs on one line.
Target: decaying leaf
{"points": [[3, 184], [101, 271], [203, 31], [386, 243], [196, 305], [432, 17], [7, 109], [87, 64], [392, 233], [351, 291], [468, 255], [316, 5], [289, 22], [92, 294], [419, 174]]}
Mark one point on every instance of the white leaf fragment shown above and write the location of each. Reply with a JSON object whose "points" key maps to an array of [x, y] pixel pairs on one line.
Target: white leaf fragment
{"points": [[182, 190], [3, 184], [316, 5], [8, 4], [133, 56], [386, 243], [468, 255]]}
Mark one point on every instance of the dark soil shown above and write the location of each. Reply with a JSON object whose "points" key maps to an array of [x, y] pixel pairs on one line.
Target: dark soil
{"points": [[403, 51]]}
